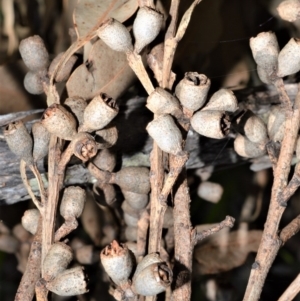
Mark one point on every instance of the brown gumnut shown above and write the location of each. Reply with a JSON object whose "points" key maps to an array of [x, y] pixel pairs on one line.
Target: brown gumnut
{"points": [[130, 210], [105, 160], [72, 202], [162, 102], [58, 121], [115, 35], [289, 10], [19, 141], [166, 134], [130, 220], [192, 90], [33, 81], [136, 200], [77, 106], [30, 220], [57, 260], [118, 262], [84, 146], [212, 124], [70, 282], [34, 53], [41, 139], [152, 276], [99, 113], [146, 27], [222, 100], [107, 137], [209, 191], [65, 72], [134, 179]]}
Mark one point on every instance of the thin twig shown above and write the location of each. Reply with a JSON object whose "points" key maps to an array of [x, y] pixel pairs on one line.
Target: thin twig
{"points": [[290, 230], [292, 291], [270, 242], [142, 229], [32, 273], [40, 182], [227, 222]]}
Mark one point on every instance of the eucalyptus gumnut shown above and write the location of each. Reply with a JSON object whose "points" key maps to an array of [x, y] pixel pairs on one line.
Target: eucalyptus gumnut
{"points": [[222, 100], [41, 139], [152, 276], [105, 160], [117, 261], [209, 191], [30, 220], [19, 141], [212, 124], [72, 202], [276, 123], [84, 146], [99, 113], [130, 220], [136, 200], [60, 122], [107, 137], [245, 148], [134, 179], [265, 50], [70, 282], [131, 233], [33, 81], [146, 27], [162, 102], [289, 10], [57, 260], [130, 210], [77, 106], [192, 90], [263, 75], [34, 53], [166, 134], [115, 35], [289, 58], [64, 73]]}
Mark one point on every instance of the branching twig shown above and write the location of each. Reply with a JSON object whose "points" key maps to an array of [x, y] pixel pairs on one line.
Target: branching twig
{"points": [[142, 229], [270, 242], [32, 273], [290, 230], [227, 222], [291, 292]]}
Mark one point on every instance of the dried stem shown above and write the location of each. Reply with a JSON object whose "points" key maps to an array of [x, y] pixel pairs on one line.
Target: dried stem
{"points": [[40, 182], [142, 229], [148, 3], [291, 292], [270, 242], [41, 291], [32, 273], [227, 222], [290, 230], [37, 203], [66, 228]]}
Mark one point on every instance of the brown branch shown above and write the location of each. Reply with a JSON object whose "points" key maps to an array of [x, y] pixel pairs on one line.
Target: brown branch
{"points": [[291, 292], [270, 242], [32, 273], [142, 230], [290, 230], [227, 222]]}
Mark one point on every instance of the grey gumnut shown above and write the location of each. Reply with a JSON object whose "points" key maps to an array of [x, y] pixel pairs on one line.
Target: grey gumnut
{"points": [[33, 81], [41, 139], [289, 10], [30, 220], [245, 148], [222, 100]]}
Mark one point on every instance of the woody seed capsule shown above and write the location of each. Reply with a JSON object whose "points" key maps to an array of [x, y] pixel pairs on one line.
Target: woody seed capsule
{"points": [[289, 58], [19, 141], [30, 220], [34, 53], [115, 35], [77, 106], [146, 27], [136, 200], [192, 90], [255, 130], [117, 261], [84, 146], [58, 121], [108, 137], [289, 10], [99, 113], [33, 81], [105, 160], [245, 148], [41, 139], [166, 134], [265, 51], [212, 124], [70, 282], [72, 202], [56, 261], [162, 102], [276, 124], [222, 100]]}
